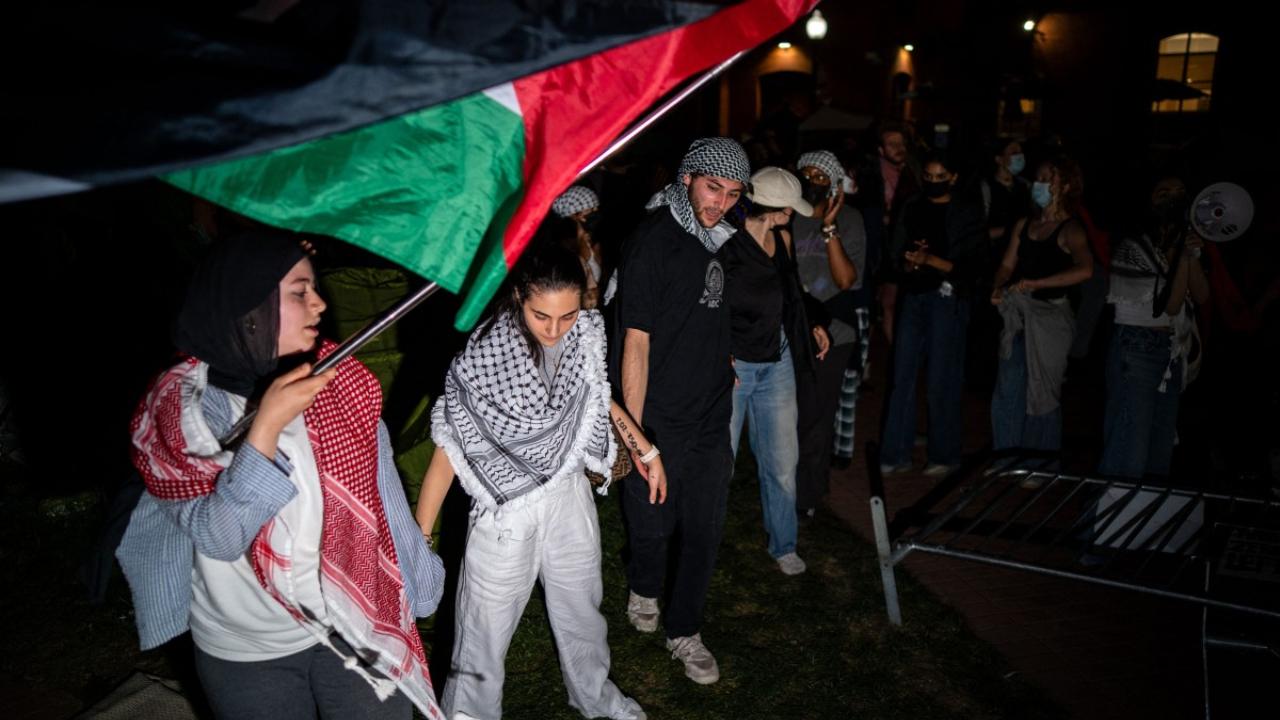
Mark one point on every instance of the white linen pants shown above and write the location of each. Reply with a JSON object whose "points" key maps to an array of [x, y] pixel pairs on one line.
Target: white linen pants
{"points": [[554, 538]]}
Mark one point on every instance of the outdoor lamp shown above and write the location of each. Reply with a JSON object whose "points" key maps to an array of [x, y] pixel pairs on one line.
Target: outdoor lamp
{"points": [[816, 27], [1029, 25]]}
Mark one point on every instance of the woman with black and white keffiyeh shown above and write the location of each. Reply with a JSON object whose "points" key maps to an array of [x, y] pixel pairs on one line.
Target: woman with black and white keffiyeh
{"points": [[526, 408], [1153, 287]]}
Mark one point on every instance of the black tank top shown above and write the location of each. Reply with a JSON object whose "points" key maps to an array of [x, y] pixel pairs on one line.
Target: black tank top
{"points": [[757, 298], [1041, 258]]}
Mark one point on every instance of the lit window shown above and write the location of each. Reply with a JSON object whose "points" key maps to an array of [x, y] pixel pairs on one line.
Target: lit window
{"points": [[1184, 73], [1018, 116]]}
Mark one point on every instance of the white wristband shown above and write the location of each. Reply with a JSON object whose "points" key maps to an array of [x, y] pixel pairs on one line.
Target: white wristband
{"points": [[649, 456]]}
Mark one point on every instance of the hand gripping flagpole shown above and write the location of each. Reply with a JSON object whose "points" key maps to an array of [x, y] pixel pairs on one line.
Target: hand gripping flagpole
{"points": [[399, 310], [345, 350]]}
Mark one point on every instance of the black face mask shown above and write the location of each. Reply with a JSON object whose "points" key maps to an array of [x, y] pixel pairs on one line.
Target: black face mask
{"points": [[935, 189], [813, 193], [591, 222], [1170, 212]]}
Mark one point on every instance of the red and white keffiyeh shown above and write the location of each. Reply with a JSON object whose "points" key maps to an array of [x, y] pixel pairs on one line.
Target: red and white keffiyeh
{"points": [[361, 582]]}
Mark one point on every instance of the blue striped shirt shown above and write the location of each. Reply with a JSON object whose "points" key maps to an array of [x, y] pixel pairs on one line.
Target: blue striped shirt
{"points": [[156, 552]]}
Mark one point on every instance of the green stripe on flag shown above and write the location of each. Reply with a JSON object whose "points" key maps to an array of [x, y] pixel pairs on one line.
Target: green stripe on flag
{"points": [[489, 268], [430, 190]]}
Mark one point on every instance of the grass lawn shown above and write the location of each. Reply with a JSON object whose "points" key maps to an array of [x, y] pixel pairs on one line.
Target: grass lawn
{"points": [[817, 645], [813, 646]]}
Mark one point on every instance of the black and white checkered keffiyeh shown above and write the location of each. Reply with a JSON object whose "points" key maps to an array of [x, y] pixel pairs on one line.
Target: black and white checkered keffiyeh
{"points": [[717, 157], [509, 435], [827, 163], [1138, 270], [575, 200]]}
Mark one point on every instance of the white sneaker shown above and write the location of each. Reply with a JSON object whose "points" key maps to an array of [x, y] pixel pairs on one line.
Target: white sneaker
{"points": [[699, 664], [791, 564], [630, 711], [643, 613]]}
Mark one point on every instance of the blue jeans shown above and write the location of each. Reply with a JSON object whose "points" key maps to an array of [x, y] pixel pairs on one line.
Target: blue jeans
{"points": [[1141, 421], [930, 328], [766, 397], [1011, 426]]}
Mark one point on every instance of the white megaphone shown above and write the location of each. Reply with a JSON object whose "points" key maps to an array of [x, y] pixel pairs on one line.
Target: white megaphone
{"points": [[1222, 212]]}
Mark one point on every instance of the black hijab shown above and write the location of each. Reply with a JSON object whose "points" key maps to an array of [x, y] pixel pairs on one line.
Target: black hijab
{"points": [[231, 316]]}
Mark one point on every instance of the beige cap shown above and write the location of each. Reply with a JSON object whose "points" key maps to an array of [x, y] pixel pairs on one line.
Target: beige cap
{"points": [[775, 187]]}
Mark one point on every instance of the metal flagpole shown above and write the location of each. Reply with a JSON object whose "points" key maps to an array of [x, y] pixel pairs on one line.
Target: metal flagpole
{"points": [[661, 110], [346, 349], [397, 311]]}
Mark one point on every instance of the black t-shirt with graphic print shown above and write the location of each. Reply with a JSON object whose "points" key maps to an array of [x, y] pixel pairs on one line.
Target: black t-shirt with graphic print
{"points": [[671, 287]]}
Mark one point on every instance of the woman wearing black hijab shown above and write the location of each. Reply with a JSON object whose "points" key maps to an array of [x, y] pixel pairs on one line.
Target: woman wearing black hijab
{"points": [[292, 556]]}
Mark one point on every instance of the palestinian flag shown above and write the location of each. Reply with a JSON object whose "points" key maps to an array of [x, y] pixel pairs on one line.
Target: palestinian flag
{"points": [[453, 190], [96, 93]]}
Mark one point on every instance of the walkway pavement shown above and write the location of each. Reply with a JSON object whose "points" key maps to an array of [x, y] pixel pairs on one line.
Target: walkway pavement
{"points": [[1098, 652]]}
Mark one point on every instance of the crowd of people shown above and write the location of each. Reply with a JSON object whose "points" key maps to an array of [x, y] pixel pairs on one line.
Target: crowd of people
{"points": [[744, 297]]}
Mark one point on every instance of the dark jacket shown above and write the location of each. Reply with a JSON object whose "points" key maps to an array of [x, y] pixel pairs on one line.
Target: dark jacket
{"points": [[871, 187], [801, 312], [966, 240]]}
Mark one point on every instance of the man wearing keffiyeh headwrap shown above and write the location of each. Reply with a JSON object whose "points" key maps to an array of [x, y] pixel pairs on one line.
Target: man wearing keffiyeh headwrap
{"points": [[831, 253], [676, 377], [713, 175], [575, 200], [828, 164]]}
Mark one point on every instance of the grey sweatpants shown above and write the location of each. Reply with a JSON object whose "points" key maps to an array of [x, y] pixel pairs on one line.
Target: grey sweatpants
{"points": [[295, 687]]}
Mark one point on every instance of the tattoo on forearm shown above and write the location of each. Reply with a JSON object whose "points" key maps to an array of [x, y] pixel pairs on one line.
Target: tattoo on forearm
{"points": [[627, 435]]}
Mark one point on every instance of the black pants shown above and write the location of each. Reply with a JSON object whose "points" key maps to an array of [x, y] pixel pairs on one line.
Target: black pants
{"points": [[817, 407], [699, 467], [295, 687]]}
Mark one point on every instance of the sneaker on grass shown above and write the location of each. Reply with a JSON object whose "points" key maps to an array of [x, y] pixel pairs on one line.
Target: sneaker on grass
{"points": [[699, 664], [630, 710], [791, 564], [643, 613]]}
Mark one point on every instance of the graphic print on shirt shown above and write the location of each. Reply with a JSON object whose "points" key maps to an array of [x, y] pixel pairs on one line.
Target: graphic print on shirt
{"points": [[713, 294]]}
